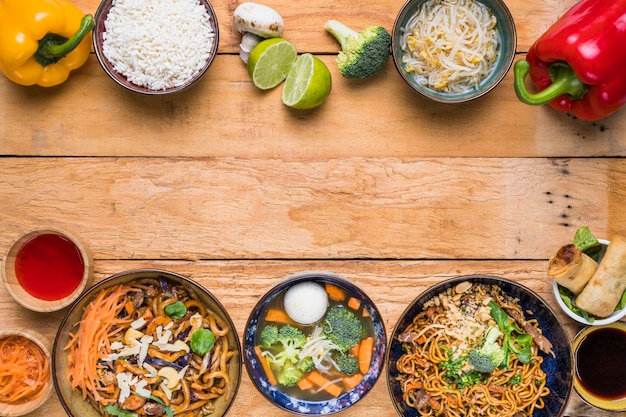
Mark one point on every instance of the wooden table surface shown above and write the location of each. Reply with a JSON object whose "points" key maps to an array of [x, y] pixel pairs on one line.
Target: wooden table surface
{"points": [[224, 184]]}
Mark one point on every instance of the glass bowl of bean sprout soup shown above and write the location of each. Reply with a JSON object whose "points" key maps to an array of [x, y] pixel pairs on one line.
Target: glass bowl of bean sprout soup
{"points": [[155, 46], [146, 342], [314, 344], [453, 51], [479, 346]]}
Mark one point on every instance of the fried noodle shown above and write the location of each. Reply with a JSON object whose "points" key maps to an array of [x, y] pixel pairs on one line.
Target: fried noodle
{"points": [[125, 339], [449, 326]]}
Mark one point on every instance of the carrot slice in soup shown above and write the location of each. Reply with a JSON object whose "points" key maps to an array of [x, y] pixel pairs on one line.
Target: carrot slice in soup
{"points": [[335, 293], [365, 354], [266, 366]]}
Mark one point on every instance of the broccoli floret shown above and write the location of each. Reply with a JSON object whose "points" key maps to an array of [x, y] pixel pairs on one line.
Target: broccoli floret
{"points": [[269, 335], [306, 364], [342, 327], [363, 54], [289, 374], [490, 355], [348, 364], [284, 345]]}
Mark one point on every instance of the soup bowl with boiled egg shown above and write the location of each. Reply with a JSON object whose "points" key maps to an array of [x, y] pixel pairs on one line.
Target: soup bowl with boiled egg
{"points": [[314, 343]]}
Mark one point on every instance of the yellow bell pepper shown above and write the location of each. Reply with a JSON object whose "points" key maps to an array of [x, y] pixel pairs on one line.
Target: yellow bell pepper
{"points": [[42, 41]]}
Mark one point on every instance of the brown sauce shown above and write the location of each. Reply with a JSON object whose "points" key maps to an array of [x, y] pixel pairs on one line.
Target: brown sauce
{"points": [[601, 363]]}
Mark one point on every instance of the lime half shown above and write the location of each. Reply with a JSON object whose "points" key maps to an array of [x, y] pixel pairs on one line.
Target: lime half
{"points": [[308, 83], [270, 61]]}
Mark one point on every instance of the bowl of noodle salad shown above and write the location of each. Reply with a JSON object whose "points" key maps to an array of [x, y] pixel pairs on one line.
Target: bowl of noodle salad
{"points": [[453, 51], [479, 346], [146, 343]]}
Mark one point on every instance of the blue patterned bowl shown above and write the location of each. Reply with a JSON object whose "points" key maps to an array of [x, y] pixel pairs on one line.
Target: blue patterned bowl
{"points": [[559, 368], [275, 393]]}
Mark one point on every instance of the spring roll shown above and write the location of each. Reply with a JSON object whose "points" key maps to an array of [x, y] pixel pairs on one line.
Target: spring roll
{"points": [[571, 268], [606, 286]]}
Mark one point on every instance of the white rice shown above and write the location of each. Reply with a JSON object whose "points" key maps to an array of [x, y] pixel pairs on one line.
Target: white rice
{"points": [[158, 44]]}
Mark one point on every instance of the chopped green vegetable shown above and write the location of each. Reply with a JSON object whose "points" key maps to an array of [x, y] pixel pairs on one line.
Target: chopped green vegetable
{"points": [[452, 371], [118, 412], [516, 379], [587, 243], [348, 364], [490, 355], [515, 340], [363, 54], [569, 298], [622, 302], [176, 310], [285, 345], [342, 327], [202, 341]]}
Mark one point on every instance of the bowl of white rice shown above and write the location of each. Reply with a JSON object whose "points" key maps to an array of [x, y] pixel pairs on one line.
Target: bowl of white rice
{"points": [[155, 46]]}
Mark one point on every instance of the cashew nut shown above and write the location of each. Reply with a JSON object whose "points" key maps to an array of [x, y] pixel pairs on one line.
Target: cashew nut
{"points": [[171, 376]]}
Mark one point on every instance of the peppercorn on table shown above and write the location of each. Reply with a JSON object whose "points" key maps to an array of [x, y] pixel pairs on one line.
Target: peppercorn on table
{"points": [[224, 184]]}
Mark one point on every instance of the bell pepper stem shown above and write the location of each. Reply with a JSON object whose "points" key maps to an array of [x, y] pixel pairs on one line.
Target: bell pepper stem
{"points": [[54, 47], [564, 81]]}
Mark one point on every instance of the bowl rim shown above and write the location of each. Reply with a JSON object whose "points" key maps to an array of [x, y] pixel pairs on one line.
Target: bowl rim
{"points": [[154, 272], [582, 392], [450, 283], [346, 400], [15, 410], [100, 17], [454, 98], [615, 316], [24, 298]]}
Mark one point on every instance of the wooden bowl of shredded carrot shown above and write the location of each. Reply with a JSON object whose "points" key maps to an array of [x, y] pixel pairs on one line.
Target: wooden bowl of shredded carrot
{"points": [[25, 371]]}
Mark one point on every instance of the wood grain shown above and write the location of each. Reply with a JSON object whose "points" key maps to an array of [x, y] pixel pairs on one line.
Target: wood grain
{"points": [[386, 208], [225, 115], [224, 184]]}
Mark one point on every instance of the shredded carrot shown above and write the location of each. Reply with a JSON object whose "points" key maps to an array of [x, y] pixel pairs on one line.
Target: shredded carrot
{"points": [[365, 354], [90, 343], [278, 316], [352, 381], [324, 384], [24, 370], [266, 366], [304, 384], [335, 293], [354, 303], [129, 307]]}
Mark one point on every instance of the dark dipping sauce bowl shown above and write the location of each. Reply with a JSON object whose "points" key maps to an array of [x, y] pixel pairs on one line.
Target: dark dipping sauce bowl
{"points": [[600, 366]]}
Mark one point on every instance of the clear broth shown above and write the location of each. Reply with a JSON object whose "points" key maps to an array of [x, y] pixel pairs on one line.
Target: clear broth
{"points": [[315, 394]]}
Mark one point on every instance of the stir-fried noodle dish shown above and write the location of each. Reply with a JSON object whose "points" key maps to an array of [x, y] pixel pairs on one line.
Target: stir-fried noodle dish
{"points": [[450, 45], [471, 351], [150, 347]]}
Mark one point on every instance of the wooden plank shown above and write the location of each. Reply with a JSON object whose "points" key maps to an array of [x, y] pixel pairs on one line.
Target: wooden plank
{"points": [[463, 208], [225, 115], [304, 24], [392, 285]]}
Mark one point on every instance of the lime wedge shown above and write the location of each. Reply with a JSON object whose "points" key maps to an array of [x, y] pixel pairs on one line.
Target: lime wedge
{"points": [[308, 83], [270, 61]]}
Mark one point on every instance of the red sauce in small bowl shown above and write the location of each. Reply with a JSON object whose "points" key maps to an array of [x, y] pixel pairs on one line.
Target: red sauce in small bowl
{"points": [[49, 267]]}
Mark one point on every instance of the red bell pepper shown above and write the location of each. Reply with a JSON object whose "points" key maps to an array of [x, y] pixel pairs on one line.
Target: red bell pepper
{"points": [[579, 64]]}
